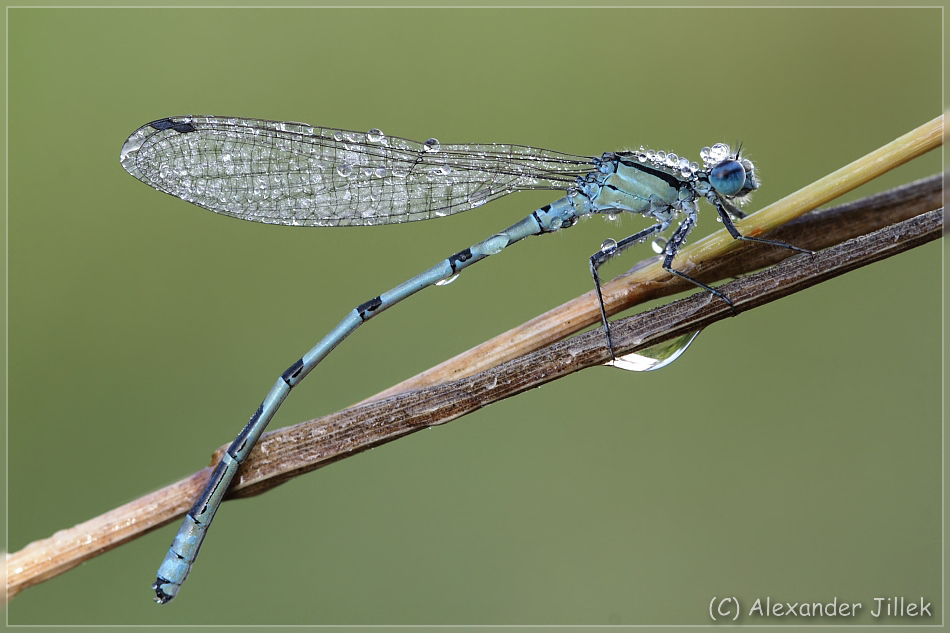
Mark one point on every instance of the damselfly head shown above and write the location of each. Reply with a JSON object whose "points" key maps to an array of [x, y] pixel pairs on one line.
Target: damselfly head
{"points": [[730, 174]]}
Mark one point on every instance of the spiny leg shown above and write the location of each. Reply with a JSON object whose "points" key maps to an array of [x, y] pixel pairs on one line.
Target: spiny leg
{"points": [[676, 241], [735, 212], [607, 252], [725, 210]]}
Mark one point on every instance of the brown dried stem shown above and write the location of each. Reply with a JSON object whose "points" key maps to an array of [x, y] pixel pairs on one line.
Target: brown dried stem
{"points": [[288, 452]]}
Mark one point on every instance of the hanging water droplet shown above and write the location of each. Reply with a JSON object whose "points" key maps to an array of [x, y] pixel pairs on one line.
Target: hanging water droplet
{"points": [[658, 244], [655, 357], [447, 280], [431, 145]]}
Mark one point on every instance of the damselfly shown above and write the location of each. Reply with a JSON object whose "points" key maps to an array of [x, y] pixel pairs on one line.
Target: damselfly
{"points": [[301, 175]]}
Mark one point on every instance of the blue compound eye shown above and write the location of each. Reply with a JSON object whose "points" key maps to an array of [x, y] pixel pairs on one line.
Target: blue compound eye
{"points": [[728, 177]]}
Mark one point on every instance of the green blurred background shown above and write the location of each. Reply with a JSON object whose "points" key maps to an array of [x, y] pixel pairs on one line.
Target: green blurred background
{"points": [[794, 452]]}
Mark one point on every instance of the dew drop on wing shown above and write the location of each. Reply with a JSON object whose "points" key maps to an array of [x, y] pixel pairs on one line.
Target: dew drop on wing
{"points": [[478, 197]]}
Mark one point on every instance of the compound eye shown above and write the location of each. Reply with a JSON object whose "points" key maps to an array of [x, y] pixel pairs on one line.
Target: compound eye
{"points": [[728, 177]]}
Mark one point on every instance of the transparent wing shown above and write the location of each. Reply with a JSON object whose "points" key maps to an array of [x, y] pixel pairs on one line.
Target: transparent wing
{"points": [[297, 174]]}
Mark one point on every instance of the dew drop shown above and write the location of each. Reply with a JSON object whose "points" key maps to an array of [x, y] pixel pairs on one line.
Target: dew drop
{"points": [[658, 244], [375, 135], [495, 244], [655, 357], [447, 280], [479, 197], [431, 145]]}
